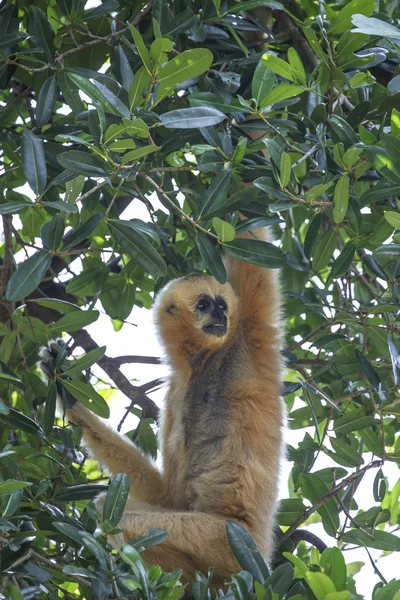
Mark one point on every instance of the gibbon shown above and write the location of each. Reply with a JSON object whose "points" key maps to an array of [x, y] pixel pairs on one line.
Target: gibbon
{"points": [[221, 430]]}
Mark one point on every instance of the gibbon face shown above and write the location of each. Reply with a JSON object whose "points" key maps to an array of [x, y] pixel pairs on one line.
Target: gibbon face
{"points": [[196, 312]]}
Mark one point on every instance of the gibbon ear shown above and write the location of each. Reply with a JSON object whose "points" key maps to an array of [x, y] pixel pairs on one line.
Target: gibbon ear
{"points": [[172, 310]]}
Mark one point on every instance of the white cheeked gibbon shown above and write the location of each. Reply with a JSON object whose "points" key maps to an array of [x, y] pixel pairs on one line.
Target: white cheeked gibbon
{"points": [[221, 429]]}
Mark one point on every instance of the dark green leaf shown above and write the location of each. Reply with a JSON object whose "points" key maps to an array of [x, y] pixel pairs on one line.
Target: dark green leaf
{"points": [[246, 552], [256, 252], [352, 421], [87, 491], [215, 195], [86, 361], [86, 394], [368, 369], [314, 489], [46, 101], [75, 237], [137, 247], [76, 320], [117, 495], [211, 257], [82, 163], [17, 420], [50, 408], [191, 118], [34, 162], [45, 34], [28, 276]]}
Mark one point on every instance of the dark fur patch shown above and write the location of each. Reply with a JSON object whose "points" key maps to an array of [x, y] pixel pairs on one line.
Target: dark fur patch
{"points": [[206, 413]]}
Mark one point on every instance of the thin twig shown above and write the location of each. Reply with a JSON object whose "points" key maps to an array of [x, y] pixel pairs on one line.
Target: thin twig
{"points": [[305, 156]]}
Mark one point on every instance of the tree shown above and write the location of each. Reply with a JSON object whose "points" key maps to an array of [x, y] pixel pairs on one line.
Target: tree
{"points": [[287, 112]]}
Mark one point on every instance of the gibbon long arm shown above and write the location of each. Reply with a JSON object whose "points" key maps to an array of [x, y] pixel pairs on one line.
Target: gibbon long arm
{"points": [[119, 455]]}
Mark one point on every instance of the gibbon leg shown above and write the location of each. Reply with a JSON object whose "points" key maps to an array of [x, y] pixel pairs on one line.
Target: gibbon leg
{"points": [[119, 455], [196, 541]]}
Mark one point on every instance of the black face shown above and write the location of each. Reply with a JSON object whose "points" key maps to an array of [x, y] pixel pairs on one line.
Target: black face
{"points": [[215, 309]]}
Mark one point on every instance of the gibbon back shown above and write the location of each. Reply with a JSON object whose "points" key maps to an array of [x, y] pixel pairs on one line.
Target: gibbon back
{"points": [[221, 431]]}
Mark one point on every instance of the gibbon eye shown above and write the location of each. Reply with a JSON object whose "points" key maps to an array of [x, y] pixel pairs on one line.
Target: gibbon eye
{"points": [[222, 305], [203, 304]]}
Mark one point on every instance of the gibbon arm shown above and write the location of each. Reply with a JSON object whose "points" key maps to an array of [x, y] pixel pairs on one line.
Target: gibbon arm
{"points": [[258, 290], [118, 455]]}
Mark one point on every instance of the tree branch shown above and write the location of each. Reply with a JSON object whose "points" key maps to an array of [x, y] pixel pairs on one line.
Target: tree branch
{"points": [[143, 360], [332, 492], [111, 367]]}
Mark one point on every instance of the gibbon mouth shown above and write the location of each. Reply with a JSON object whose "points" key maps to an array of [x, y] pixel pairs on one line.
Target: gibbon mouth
{"points": [[218, 329]]}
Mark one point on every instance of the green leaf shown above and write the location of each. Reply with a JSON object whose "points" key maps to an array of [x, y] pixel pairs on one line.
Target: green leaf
{"points": [[122, 145], [138, 87], [118, 106], [343, 262], [81, 233], [117, 495], [320, 584], [285, 169], [256, 252], [138, 248], [138, 153], [392, 146], [393, 218], [289, 510], [53, 234], [50, 408], [215, 195], [141, 48], [297, 66], [382, 540], [191, 118], [333, 564], [341, 198], [14, 206], [262, 83], [99, 93], [10, 485], [314, 489], [86, 394], [225, 231], [159, 50], [342, 132], [279, 66], [28, 276], [75, 320], [281, 92], [45, 34], [211, 257], [353, 421], [324, 250], [368, 369], [342, 21], [187, 65], [372, 26], [86, 491], [34, 162], [82, 163], [86, 361], [17, 420], [246, 552], [46, 101]]}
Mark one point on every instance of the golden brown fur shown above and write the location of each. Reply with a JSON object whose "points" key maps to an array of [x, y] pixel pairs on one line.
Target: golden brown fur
{"points": [[221, 437]]}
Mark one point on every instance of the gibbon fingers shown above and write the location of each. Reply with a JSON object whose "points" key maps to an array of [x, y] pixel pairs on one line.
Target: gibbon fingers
{"points": [[221, 430]]}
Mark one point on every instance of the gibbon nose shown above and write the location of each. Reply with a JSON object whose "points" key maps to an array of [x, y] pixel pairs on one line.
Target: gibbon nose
{"points": [[218, 315]]}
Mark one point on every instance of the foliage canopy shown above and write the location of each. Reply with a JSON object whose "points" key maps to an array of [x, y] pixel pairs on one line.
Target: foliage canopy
{"points": [[178, 106]]}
